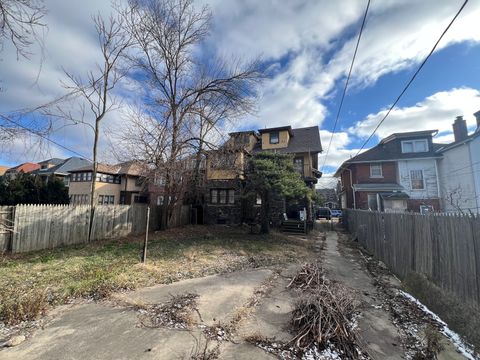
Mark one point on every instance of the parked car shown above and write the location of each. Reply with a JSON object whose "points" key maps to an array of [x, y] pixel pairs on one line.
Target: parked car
{"points": [[336, 213], [324, 213]]}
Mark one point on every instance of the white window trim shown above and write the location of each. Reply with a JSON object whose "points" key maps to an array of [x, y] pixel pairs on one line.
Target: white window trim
{"points": [[423, 180], [381, 171], [413, 144]]}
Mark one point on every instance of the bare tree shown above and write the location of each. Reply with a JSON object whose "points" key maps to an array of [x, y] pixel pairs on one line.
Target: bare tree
{"points": [[20, 21], [94, 98], [180, 85]]}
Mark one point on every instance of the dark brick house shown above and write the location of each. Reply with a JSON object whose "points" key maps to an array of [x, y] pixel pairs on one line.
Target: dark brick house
{"points": [[398, 174], [225, 171]]}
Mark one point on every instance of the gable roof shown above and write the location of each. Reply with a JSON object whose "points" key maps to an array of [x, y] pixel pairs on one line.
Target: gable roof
{"points": [[53, 161], [25, 168], [64, 166]]}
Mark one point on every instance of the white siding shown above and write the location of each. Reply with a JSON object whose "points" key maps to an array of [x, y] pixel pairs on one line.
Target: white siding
{"points": [[457, 186], [475, 156], [430, 190]]}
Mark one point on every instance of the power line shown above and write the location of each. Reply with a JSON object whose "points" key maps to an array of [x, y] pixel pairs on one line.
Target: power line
{"points": [[413, 77], [42, 136], [346, 84]]}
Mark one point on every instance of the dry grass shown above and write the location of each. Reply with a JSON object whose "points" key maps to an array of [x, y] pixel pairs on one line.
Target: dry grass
{"points": [[96, 270]]}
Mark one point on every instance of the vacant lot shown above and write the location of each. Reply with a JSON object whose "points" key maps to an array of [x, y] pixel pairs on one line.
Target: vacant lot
{"points": [[29, 283]]}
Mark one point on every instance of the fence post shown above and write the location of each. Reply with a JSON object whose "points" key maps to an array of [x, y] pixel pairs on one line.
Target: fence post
{"points": [[146, 237]]}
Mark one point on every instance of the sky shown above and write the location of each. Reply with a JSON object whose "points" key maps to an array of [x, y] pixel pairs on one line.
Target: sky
{"points": [[306, 47]]}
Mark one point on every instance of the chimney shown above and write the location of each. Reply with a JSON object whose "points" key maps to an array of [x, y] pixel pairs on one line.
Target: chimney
{"points": [[477, 116], [460, 129]]}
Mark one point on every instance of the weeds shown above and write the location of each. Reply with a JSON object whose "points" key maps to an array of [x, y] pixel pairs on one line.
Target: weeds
{"points": [[19, 304], [174, 314], [96, 270]]}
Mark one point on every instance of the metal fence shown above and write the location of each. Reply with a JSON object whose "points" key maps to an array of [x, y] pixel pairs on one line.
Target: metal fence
{"points": [[443, 247]]}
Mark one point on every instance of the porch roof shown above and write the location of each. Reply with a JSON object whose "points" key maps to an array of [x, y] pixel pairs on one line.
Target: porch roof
{"points": [[378, 187]]}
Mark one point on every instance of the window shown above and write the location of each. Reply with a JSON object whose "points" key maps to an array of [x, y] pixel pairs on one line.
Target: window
{"points": [[274, 137], [222, 196], [414, 146], [258, 200], [89, 176], [110, 179], [231, 196], [111, 199], [214, 196], [100, 199], [298, 164], [416, 178], [372, 202], [376, 171], [159, 200]]}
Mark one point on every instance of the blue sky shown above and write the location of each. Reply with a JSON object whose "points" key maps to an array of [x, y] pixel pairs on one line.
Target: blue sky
{"points": [[307, 47]]}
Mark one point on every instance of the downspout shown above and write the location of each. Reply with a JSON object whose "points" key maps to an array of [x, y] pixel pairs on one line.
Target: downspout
{"points": [[473, 176], [353, 190]]}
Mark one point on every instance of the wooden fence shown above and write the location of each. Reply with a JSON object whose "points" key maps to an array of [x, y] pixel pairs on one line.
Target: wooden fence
{"points": [[36, 227], [445, 248]]}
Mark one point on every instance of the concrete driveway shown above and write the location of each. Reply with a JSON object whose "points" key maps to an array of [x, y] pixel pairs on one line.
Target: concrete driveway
{"points": [[248, 303]]}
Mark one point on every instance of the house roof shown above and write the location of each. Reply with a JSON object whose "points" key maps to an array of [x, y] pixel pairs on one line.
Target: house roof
{"points": [[25, 168], [64, 167], [53, 161], [378, 187], [409, 134], [3, 169], [127, 168], [445, 147], [303, 140], [279, 128], [389, 150]]}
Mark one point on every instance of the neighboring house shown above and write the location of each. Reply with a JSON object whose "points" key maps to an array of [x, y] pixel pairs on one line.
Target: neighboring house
{"points": [[116, 184], [3, 169], [60, 168], [25, 168], [330, 198], [399, 174], [459, 169], [225, 171]]}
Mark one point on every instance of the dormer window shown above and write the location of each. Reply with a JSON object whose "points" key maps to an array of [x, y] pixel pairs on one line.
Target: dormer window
{"points": [[414, 146], [274, 137]]}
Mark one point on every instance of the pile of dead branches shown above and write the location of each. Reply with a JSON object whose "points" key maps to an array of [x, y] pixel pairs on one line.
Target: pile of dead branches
{"points": [[308, 278], [174, 314], [324, 315]]}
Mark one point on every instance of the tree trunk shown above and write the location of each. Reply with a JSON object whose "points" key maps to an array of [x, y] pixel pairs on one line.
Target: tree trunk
{"points": [[265, 214], [94, 181]]}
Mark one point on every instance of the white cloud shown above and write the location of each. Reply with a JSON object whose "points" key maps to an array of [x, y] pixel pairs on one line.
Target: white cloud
{"points": [[308, 42], [436, 112]]}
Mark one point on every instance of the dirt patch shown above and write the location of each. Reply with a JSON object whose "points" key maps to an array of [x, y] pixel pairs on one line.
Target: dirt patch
{"points": [[178, 313]]}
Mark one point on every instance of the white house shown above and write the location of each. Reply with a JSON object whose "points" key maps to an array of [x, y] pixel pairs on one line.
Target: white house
{"points": [[459, 169]]}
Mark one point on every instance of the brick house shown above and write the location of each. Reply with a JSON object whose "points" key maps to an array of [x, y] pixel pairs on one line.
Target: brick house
{"points": [[398, 174], [225, 172]]}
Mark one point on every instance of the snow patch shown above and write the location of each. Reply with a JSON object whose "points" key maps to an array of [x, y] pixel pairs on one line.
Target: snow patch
{"points": [[465, 349]]}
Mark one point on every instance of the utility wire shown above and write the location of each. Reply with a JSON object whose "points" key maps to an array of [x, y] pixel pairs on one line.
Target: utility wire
{"points": [[413, 77], [346, 84], [42, 136]]}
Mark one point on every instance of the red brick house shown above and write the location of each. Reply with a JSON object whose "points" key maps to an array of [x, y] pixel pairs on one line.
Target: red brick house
{"points": [[399, 174]]}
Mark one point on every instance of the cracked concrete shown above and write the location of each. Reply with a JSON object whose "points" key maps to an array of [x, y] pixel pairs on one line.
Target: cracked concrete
{"points": [[111, 329]]}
